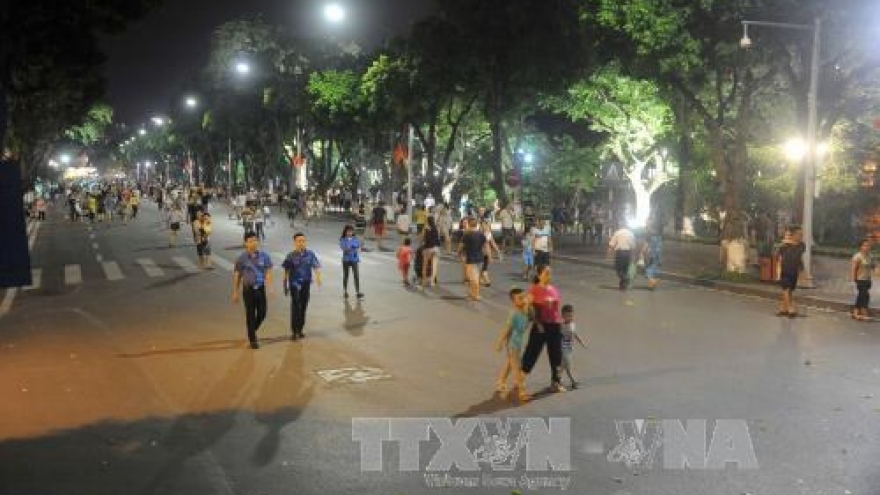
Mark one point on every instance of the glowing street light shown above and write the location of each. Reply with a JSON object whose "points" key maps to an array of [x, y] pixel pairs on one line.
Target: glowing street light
{"points": [[334, 13], [795, 150], [243, 68], [65, 158], [158, 121], [191, 102], [142, 132]]}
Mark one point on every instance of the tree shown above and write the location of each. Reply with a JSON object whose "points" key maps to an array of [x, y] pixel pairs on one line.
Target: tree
{"points": [[49, 66], [635, 121], [516, 48]]}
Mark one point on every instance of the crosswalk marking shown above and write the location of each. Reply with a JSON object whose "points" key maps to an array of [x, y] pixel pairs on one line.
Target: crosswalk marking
{"points": [[112, 271], [222, 263], [185, 264], [149, 266], [72, 275], [36, 279]]}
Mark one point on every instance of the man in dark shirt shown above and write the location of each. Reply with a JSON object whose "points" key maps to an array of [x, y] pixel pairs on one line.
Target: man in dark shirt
{"points": [[471, 248], [252, 276], [790, 262], [300, 266]]}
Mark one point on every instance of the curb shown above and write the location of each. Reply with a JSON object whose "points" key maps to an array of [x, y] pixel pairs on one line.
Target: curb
{"points": [[721, 285]]}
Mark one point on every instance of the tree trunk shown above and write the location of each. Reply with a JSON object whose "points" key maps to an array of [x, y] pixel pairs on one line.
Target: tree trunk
{"points": [[497, 157]]}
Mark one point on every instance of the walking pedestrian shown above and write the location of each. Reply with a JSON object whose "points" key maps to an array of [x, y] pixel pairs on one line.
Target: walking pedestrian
{"points": [[404, 259], [473, 245], [511, 340], [301, 266], [508, 234], [789, 258], [351, 259], [203, 228], [377, 218], [621, 246], [252, 278], [431, 243], [569, 335], [652, 251], [547, 329], [528, 252], [491, 246], [175, 218], [862, 267], [543, 242]]}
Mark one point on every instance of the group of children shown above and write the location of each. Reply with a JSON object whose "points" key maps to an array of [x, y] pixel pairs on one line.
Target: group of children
{"points": [[512, 340]]}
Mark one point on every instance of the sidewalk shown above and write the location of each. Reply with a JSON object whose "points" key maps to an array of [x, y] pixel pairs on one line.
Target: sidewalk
{"points": [[698, 264]]}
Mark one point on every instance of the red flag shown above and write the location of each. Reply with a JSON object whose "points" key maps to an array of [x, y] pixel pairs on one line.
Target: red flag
{"points": [[400, 154]]}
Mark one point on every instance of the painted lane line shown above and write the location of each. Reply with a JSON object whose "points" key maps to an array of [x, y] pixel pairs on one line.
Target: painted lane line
{"points": [[72, 275], [223, 263], [112, 270], [149, 266], [185, 264], [36, 279]]}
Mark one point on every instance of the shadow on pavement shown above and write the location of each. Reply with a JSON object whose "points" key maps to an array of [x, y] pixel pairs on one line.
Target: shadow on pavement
{"points": [[183, 454], [211, 346], [171, 281], [498, 403]]}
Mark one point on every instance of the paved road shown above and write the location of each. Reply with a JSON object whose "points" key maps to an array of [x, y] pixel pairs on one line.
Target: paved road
{"points": [[129, 373]]}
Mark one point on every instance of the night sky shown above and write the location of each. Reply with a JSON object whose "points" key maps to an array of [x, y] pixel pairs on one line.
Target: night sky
{"points": [[148, 64]]}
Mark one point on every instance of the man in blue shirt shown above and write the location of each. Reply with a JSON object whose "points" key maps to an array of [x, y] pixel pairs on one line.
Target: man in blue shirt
{"points": [[252, 275], [300, 266]]}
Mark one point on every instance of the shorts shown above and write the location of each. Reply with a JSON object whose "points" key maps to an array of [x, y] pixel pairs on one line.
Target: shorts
{"points": [[788, 281], [403, 267], [528, 258], [379, 229], [542, 258], [203, 249]]}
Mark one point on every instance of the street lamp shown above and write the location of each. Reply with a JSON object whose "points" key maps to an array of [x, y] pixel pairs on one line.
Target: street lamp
{"points": [[191, 102], [65, 158], [158, 121], [811, 146], [142, 132], [334, 13], [242, 68]]}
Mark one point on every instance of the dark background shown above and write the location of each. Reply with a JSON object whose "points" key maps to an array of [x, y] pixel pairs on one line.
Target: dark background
{"points": [[148, 64]]}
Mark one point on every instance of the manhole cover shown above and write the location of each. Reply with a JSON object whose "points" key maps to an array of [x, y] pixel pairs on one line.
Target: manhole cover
{"points": [[353, 375]]}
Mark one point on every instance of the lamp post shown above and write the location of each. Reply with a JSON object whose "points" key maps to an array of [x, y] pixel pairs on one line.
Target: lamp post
{"points": [[812, 123]]}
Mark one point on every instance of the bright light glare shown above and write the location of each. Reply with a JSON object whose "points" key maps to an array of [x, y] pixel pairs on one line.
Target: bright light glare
{"points": [[529, 158], [159, 121], [142, 132], [822, 149], [191, 102], [243, 68], [65, 159], [795, 149], [148, 164], [334, 13]]}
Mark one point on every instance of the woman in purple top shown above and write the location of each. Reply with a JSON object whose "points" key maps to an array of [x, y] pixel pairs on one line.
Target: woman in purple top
{"points": [[351, 247], [547, 329]]}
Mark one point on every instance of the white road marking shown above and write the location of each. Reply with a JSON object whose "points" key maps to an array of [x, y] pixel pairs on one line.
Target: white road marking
{"points": [[223, 263], [36, 279], [72, 275], [112, 271], [185, 264], [99, 258], [150, 267], [95, 245]]}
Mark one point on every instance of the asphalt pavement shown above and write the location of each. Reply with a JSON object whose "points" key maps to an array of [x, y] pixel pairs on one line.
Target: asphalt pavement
{"points": [[126, 371]]}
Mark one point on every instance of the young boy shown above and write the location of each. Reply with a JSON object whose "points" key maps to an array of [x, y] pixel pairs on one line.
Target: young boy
{"points": [[404, 259], [528, 252], [569, 333], [512, 339]]}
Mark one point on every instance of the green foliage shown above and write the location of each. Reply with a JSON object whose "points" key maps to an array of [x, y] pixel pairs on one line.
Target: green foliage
{"points": [[94, 127]]}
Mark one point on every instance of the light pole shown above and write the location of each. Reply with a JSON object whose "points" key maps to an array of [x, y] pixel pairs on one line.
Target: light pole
{"points": [[812, 122]]}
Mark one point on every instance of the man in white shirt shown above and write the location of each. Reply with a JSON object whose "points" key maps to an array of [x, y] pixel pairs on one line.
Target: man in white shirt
{"points": [[622, 244], [542, 244]]}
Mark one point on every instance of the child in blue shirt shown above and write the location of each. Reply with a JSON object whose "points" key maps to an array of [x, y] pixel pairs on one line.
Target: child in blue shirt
{"points": [[512, 340]]}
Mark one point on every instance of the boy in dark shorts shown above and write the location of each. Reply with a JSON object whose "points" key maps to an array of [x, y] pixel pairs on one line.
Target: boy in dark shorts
{"points": [[790, 262]]}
